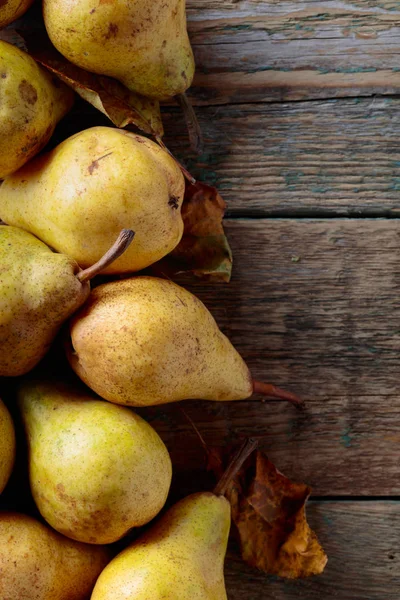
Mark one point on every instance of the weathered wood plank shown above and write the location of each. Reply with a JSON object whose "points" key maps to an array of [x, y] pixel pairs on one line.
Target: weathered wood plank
{"points": [[323, 157], [313, 306], [269, 50], [362, 543]]}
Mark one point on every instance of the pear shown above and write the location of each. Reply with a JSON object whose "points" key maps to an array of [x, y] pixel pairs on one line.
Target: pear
{"points": [[39, 291], [11, 10], [38, 564], [32, 102], [146, 341], [144, 43], [7, 446], [182, 556], [79, 196], [96, 470]]}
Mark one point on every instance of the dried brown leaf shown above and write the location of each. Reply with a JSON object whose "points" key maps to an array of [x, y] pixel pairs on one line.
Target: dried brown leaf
{"points": [[119, 104], [269, 513], [204, 249]]}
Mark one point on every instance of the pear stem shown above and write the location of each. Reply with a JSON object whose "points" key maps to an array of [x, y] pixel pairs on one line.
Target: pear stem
{"points": [[184, 170], [268, 389], [120, 245], [192, 124], [235, 465]]}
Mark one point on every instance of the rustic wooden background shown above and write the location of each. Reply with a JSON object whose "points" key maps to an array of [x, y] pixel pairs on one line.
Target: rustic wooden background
{"points": [[299, 108], [298, 102]]}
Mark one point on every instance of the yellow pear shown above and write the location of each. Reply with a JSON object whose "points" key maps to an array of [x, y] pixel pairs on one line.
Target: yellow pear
{"points": [[79, 196], [96, 470], [7, 446], [143, 43], [182, 556], [145, 341], [179, 558], [38, 564], [39, 291], [31, 103], [11, 10]]}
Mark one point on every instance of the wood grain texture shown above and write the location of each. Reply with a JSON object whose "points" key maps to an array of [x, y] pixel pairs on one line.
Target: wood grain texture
{"points": [[265, 50], [336, 157], [362, 543], [313, 306]]}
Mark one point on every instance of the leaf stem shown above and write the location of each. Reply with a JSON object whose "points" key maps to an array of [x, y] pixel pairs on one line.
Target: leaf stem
{"points": [[120, 245], [192, 124], [235, 465], [184, 170]]}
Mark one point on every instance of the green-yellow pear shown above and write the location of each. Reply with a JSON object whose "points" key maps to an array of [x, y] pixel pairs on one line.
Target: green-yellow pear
{"points": [[182, 556], [31, 103], [145, 341], [39, 291], [179, 558], [79, 196], [37, 563], [96, 470], [143, 43], [11, 10], [7, 445]]}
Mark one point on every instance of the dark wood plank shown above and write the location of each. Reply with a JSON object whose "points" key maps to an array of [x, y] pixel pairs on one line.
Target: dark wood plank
{"points": [[313, 306], [324, 157], [362, 543], [271, 50]]}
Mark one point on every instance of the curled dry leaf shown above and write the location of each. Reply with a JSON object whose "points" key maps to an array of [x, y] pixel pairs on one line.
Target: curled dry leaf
{"points": [[204, 249], [120, 105], [269, 513]]}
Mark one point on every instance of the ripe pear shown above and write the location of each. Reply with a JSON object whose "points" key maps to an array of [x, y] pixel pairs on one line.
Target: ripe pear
{"points": [[39, 291], [11, 10], [31, 103], [144, 43], [7, 445], [38, 564], [181, 556], [146, 341], [96, 470], [79, 196]]}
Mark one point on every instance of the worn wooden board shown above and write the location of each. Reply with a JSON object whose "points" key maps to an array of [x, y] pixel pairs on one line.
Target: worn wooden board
{"points": [[312, 306], [336, 157], [266, 50], [362, 543]]}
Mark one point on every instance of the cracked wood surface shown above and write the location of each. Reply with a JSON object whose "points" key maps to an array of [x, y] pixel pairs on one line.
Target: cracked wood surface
{"points": [[312, 306], [332, 157], [362, 543], [268, 50]]}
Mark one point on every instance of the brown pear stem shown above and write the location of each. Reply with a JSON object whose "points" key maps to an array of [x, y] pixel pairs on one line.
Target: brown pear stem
{"points": [[192, 124], [184, 170], [268, 389], [235, 465], [120, 245]]}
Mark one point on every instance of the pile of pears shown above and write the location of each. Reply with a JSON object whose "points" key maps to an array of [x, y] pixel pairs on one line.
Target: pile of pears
{"points": [[104, 201]]}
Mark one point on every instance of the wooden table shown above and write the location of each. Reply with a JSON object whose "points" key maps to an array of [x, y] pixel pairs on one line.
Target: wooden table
{"points": [[297, 102]]}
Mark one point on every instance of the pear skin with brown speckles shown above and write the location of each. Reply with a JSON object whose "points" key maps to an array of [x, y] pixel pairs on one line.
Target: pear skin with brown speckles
{"points": [[79, 196], [39, 290], [143, 43], [32, 101], [96, 469], [36, 563], [181, 557], [145, 341]]}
